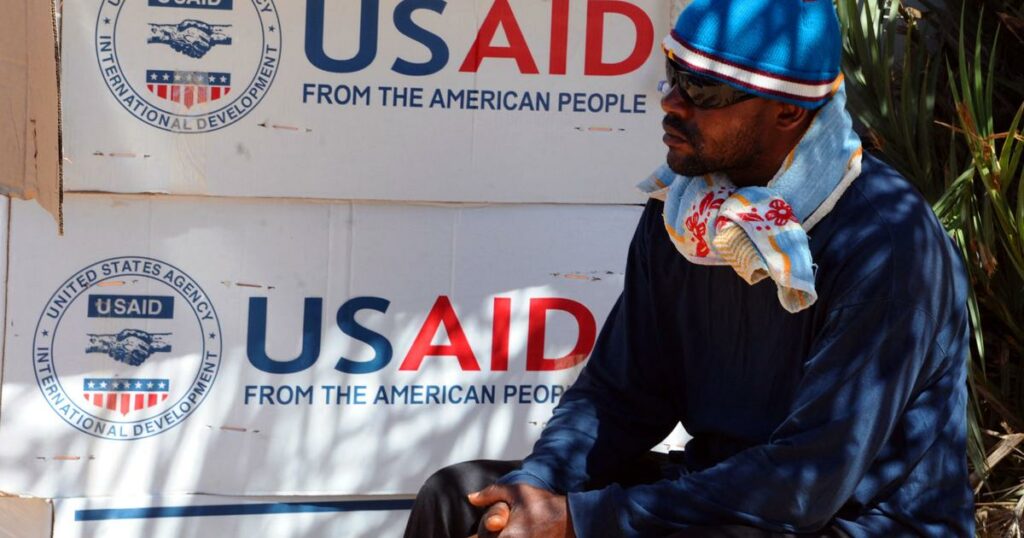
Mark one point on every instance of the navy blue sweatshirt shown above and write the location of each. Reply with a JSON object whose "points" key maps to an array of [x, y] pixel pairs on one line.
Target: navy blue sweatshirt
{"points": [[852, 412]]}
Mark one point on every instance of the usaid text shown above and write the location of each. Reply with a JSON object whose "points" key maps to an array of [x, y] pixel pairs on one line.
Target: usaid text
{"points": [[500, 20], [423, 349]]}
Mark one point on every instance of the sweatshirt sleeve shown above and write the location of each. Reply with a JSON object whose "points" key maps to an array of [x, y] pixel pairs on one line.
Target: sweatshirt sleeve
{"points": [[863, 369], [616, 410]]}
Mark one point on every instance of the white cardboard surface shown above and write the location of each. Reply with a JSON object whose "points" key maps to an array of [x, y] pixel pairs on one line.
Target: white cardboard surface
{"points": [[5, 213], [121, 136], [285, 252]]}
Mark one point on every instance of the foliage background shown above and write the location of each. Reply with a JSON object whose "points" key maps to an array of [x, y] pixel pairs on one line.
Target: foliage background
{"points": [[937, 87]]}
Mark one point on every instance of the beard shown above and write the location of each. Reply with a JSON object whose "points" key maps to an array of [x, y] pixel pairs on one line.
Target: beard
{"points": [[710, 155]]}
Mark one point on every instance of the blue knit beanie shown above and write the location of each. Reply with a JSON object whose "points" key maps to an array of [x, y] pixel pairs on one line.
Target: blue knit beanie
{"points": [[787, 50]]}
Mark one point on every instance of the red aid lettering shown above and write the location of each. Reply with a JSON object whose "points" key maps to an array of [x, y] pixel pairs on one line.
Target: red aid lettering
{"points": [[535, 359], [559, 36], [499, 334], [441, 313], [500, 15], [596, 10]]}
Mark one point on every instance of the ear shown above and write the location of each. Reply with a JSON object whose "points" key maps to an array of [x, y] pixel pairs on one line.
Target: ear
{"points": [[789, 117]]}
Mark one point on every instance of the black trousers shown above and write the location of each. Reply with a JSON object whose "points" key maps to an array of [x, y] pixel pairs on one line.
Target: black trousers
{"points": [[442, 511]]}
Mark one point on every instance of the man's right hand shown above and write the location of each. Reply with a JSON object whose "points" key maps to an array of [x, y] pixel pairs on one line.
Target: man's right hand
{"points": [[520, 511]]}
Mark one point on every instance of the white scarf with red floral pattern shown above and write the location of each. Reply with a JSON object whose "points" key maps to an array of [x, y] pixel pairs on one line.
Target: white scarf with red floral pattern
{"points": [[761, 232]]}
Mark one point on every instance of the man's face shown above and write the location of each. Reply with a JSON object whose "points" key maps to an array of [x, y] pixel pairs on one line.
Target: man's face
{"points": [[706, 140]]}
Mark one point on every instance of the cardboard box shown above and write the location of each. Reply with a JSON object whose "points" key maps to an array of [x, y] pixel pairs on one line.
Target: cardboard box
{"points": [[30, 157], [25, 517], [478, 101], [174, 516], [157, 347]]}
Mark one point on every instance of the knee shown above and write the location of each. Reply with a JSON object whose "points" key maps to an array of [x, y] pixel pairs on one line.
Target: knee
{"points": [[448, 481], [456, 481]]}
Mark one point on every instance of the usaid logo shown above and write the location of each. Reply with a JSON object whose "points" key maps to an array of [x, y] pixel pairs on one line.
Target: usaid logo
{"points": [[188, 66], [127, 348], [201, 4]]}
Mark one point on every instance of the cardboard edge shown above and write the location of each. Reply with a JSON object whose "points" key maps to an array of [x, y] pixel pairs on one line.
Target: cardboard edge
{"points": [[58, 211], [5, 271]]}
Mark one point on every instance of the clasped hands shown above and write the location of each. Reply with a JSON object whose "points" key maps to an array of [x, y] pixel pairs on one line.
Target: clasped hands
{"points": [[522, 511]]}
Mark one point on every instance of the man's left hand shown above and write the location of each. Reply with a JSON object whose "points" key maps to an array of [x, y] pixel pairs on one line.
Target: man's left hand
{"points": [[521, 511]]}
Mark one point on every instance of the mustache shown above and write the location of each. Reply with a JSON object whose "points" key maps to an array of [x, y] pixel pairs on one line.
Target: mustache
{"points": [[675, 124]]}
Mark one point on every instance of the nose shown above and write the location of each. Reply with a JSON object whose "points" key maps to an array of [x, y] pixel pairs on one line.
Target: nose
{"points": [[677, 104]]}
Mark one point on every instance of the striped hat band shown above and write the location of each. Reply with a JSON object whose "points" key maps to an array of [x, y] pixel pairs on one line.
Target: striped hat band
{"points": [[743, 77]]}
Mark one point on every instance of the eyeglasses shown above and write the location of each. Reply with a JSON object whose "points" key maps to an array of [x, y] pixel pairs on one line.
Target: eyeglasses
{"points": [[704, 92]]}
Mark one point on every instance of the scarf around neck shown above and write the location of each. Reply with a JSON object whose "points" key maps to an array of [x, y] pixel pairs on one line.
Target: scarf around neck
{"points": [[761, 232]]}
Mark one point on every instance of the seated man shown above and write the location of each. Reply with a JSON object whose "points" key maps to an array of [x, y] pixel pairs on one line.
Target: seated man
{"points": [[793, 302]]}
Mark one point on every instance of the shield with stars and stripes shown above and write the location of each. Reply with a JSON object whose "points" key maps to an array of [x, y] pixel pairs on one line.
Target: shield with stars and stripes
{"points": [[125, 395], [188, 88]]}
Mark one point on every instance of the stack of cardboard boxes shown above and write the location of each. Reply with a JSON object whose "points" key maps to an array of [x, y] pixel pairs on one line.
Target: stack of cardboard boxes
{"points": [[312, 252]]}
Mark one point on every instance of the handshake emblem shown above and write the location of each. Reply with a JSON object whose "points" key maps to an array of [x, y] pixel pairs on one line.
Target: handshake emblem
{"points": [[130, 346], [190, 37]]}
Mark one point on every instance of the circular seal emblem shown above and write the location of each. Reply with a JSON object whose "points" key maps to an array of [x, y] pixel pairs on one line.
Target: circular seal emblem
{"points": [[188, 66], [127, 348]]}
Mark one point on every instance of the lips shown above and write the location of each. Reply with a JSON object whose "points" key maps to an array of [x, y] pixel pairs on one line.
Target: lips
{"points": [[673, 140], [672, 135]]}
